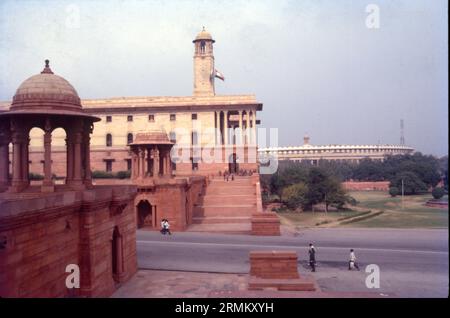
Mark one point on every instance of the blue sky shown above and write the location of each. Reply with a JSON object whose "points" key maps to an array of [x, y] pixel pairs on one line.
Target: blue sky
{"points": [[314, 64]]}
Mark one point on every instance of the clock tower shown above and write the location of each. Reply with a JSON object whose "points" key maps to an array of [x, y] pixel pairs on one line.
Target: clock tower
{"points": [[204, 72]]}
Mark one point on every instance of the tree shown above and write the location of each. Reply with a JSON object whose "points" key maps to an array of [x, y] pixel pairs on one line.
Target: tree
{"points": [[412, 184], [393, 191], [438, 193], [294, 196]]}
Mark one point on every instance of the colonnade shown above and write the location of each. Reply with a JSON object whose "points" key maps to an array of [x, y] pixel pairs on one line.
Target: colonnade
{"points": [[150, 161], [229, 132], [16, 131]]}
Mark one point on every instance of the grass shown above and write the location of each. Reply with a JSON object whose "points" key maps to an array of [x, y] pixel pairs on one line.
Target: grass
{"points": [[411, 214], [312, 219]]}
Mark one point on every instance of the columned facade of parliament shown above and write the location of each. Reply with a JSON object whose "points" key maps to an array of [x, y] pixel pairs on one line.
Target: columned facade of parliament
{"points": [[350, 153]]}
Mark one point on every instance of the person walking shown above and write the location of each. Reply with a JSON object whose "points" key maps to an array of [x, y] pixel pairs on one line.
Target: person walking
{"points": [[167, 227], [312, 257], [163, 226], [352, 262]]}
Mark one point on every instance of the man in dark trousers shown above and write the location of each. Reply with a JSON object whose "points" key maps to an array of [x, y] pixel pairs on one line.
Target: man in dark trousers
{"points": [[312, 257], [352, 262]]}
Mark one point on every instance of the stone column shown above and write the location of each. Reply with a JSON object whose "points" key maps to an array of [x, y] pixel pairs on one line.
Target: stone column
{"points": [[141, 162], [77, 181], [47, 183], [169, 164], [69, 159], [225, 126], [133, 164], [4, 158], [17, 161], [247, 127], [240, 137], [87, 153], [254, 128], [155, 163], [25, 161]]}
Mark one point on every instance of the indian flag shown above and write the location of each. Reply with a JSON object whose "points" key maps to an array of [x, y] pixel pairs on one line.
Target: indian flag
{"points": [[219, 75]]}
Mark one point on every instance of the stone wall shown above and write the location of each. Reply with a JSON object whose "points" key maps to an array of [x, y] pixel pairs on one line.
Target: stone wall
{"points": [[366, 186], [172, 199], [45, 233]]}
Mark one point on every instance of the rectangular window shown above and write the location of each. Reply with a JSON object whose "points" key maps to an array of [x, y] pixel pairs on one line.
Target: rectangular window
{"points": [[172, 117], [194, 116], [129, 118], [128, 164], [108, 165], [151, 118], [108, 119]]}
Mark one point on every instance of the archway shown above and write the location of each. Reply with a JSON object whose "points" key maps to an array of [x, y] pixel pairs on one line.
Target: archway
{"points": [[144, 214], [233, 165]]}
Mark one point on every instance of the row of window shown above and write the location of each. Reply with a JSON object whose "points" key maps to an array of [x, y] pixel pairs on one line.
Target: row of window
{"points": [[337, 151], [151, 118]]}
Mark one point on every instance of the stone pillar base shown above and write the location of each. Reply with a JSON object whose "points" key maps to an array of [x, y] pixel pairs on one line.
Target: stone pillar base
{"points": [[48, 188], [265, 224], [76, 185], [277, 270], [18, 187]]}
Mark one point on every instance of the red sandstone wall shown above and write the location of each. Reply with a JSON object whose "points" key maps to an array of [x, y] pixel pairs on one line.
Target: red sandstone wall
{"points": [[46, 234], [366, 186], [174, 202]]}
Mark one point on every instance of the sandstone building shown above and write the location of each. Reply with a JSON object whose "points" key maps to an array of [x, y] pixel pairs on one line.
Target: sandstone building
{"points": [[212, 132], [351, 153]]}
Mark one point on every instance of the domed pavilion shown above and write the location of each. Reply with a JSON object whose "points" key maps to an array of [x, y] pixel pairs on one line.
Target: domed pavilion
{"points": [[46, 101]]}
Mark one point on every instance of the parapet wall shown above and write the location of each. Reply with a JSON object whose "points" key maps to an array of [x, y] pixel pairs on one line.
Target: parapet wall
{"points": [[45, 233], [366, 186]]}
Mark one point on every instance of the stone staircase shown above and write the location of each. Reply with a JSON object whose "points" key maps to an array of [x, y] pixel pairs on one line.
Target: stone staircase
{"points": [[226, 207]]}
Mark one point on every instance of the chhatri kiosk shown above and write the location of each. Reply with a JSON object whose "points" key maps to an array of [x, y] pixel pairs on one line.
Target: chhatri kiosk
{"points": [[45, 228], [160, 193]]}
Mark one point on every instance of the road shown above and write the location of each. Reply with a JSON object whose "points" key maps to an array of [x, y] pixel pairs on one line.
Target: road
{"points": [[412, 262]]}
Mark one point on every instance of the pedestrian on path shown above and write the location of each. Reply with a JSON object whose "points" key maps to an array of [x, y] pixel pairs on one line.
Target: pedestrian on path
{"points": [[163, 227], [312, 257], [352, 262], [167, 227]]}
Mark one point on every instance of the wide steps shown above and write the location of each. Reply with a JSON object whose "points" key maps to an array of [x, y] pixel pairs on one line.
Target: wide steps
{"points": [[223, 199], [224, 210], [249, 190]]}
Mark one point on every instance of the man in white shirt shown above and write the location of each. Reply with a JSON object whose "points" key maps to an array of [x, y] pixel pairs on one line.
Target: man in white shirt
{"points": [[167, 226], [352, 262]]}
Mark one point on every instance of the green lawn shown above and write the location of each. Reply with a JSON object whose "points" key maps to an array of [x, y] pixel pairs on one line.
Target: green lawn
{"points": [[411, 214], [311, 219]]}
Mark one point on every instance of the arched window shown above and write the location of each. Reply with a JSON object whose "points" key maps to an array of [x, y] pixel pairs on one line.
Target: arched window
{"points": [[108, 140], [129, 138]]}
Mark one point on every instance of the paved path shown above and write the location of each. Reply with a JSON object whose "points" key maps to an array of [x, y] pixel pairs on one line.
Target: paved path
{"points": [[413, 263]]}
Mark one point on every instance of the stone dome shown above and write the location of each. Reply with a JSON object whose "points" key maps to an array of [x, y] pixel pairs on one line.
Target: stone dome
{"points": [[46, 92], [203, 35]]}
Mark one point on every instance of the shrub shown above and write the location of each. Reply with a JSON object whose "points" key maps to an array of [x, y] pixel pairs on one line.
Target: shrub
{"points": [[102, 174], [35, 176], [123, 174], [438, 192], [393, 191]]}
